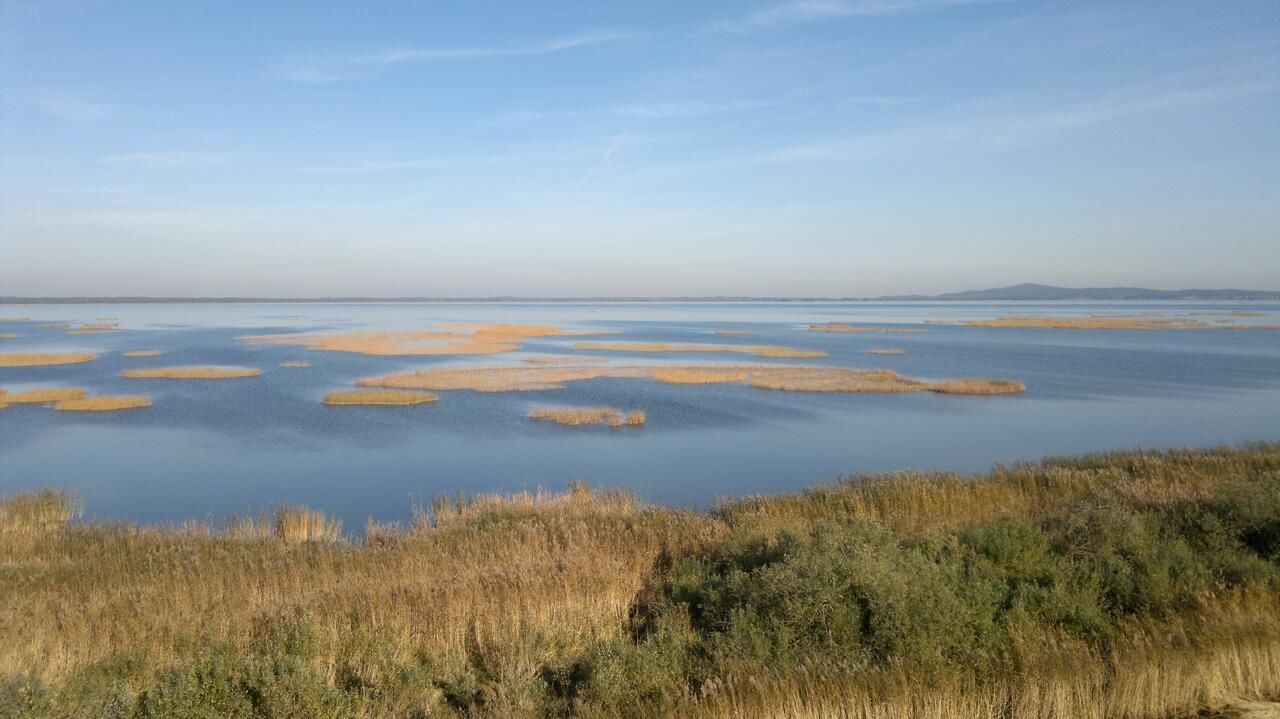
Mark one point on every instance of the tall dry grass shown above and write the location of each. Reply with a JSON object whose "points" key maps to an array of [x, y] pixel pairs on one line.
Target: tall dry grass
{"points": [[534, 603], [588, 415]]}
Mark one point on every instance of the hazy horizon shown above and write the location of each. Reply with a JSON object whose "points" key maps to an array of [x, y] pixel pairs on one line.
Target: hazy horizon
{"points": [[837, 148]]}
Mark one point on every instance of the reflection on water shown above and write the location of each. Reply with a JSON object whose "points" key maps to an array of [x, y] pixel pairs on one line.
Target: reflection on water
{"points": [[210, 448]]}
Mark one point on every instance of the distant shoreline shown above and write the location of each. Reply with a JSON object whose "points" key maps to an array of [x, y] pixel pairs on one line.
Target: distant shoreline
{"points": [[1027, 292]]}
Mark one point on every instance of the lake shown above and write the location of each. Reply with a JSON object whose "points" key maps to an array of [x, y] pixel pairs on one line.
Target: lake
{"points": [[211, 448]]}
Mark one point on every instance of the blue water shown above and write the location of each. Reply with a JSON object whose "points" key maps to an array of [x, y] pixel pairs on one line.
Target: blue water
{"points": [[212, 448]]}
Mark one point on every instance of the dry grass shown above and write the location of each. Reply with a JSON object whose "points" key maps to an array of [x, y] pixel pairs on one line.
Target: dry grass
{"points": [[378, 397], [141, 353], [36, 512], [454, 339], [886, 351], [297, 524], [44, 395], [977, 385], [295, 364], [494, 598], [696, 374], [588, 415], [758, 350], [17, 359], [191, 372], [491, 379], [104, 403], [848, 328], [776, 377], [565, 359], [733, 332]]}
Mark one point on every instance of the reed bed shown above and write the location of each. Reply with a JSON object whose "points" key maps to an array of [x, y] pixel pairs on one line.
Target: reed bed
{"points": [[849, 328], [977, 385], [295, 364], [758, 350], [141, 353], [1128, 584], [886, 351], [15, 319], [103, 403], [453, 339], [54, 325], [775, 377], [565, 360], [37, 512], [8, 336], [44, 395], [191, 372], [98, 325], [394, 397], [733, 332], [588, 415], [19, 359]]}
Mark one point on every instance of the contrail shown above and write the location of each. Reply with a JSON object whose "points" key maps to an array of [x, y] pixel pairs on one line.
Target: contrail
{"points": [[607, 154]]}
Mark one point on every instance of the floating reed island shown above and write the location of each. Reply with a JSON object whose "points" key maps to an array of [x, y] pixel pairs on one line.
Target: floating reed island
{"points": [[588, 415], [54, 325], [295, 364], [453, 339], [15, 319], [191, 372], [103, 403], [1149, 321], [141, 353], [73, 399], [19, 359], [758, 350], [886, 351], [391, 397], [44, 395], [565, 360], [849, 328], [8, 336], [733, 332], [775, 377], [1134, 585]]}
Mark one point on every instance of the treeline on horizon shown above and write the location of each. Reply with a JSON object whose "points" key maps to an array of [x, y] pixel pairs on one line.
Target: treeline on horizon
{"points": [[1129, 584]]}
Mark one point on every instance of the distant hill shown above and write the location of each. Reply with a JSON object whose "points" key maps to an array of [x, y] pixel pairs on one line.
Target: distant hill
{"points": [[1048, 293]]}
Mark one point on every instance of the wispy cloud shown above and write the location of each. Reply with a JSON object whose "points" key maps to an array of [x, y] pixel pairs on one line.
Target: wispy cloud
{"points": [[349, 67], [671, 110], [62, 103], [165, 159], [1020, 127], [607, 154], [801, 11]]}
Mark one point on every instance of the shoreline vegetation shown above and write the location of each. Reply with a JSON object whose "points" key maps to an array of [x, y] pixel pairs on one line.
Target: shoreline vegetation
{"points": [[1126, 584]]}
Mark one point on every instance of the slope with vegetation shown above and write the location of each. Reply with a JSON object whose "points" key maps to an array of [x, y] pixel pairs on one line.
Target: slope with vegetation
{"points": [[1116, 585]]}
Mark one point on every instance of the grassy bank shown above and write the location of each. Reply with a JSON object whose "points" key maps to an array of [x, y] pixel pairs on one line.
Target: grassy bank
{"points": [[1117, 585]]}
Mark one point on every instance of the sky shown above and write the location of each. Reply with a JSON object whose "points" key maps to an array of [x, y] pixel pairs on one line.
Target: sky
{"points": [[779, 148]]}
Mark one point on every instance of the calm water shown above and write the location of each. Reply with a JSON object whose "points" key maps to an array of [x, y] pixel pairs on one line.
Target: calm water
{"points": [[212, 448]]}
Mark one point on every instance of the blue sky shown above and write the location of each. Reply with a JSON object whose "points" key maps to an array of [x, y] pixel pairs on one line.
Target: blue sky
{"points": [[812, 147]]}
